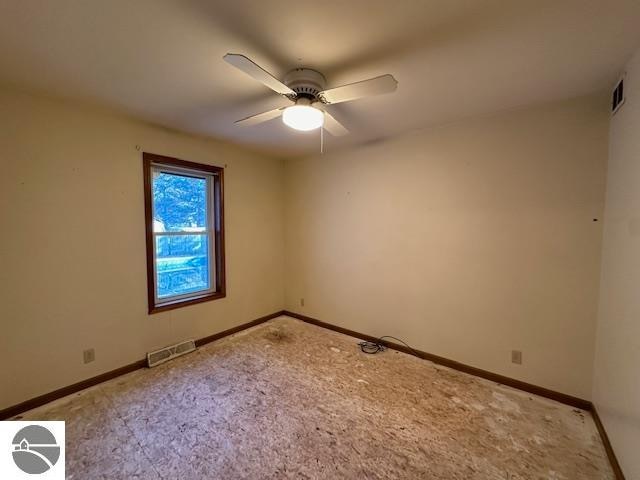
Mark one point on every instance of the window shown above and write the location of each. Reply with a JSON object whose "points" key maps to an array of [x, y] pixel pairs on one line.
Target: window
{"points": [[185, 232]]}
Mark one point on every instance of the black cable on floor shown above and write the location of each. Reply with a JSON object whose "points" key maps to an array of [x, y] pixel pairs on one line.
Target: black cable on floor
{"points": [[377, 346]]}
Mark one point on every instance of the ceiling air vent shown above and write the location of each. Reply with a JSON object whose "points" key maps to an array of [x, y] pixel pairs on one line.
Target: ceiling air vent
{"points": [[617, 98], [165, 354]]}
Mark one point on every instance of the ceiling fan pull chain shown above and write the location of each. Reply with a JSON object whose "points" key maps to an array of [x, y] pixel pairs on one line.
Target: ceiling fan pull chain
{"points": [[321, 140]]}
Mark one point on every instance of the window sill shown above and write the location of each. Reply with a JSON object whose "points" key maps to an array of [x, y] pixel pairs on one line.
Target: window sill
{"points": [[165, 306]]}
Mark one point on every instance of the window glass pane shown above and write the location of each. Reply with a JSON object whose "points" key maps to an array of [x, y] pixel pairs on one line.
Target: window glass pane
{"points": [[179, 203], [182, 264]]}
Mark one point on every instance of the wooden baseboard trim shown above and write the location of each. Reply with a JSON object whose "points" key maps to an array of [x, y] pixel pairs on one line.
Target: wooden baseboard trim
{"points": [[32, 403], [478, 372], [494, 377], [239, 328], [69, 390], [613, 460]]}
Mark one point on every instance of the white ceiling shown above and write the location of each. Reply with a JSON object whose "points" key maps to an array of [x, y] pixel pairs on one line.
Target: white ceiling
{"points": [[161, 60]]}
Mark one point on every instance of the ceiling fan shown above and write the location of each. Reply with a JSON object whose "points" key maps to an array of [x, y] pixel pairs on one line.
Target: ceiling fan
{"points": [[306, 88]]}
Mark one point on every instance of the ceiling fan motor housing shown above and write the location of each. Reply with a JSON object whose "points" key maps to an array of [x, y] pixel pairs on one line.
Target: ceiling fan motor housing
{"points": [[305, 82]]}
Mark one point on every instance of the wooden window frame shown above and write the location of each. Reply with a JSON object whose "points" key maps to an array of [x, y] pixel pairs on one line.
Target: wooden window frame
{"points": [[217, 174]]}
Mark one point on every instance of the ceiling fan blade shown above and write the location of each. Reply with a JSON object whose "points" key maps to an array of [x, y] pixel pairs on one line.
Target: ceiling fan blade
{"points": [[333, 126], [260, 117], [365, 88], [258, 73]]}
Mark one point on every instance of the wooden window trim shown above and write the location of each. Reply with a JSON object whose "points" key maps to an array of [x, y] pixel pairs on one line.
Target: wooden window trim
{"points": [[149, 159]]}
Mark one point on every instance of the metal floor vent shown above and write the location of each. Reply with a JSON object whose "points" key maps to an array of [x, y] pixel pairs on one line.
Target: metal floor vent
{"points": [[167, 353]]}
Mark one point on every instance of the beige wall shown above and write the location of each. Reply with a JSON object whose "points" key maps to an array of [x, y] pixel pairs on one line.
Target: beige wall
{"points": [[467, 241], [72, 247], [617, 366]]}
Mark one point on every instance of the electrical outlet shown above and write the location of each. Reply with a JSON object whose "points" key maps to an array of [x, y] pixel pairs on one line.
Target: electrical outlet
{"points": [[302, 302], [89, 355], [516, 357]]}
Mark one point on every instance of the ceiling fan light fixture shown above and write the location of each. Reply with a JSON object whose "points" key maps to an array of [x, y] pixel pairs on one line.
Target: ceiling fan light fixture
{"points": [[303, 117], [307, 89]]}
